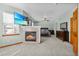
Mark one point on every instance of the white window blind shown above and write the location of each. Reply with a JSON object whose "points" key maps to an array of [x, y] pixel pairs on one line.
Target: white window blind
{"points": [[8, 24]]}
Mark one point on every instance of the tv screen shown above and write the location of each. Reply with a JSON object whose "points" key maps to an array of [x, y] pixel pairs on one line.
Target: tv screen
{"points": [[20, 19], [63, 25]]}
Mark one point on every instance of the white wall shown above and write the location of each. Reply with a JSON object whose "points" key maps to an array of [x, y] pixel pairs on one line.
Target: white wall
{"points": [[9, 39], [64, 18], [46, 24]]}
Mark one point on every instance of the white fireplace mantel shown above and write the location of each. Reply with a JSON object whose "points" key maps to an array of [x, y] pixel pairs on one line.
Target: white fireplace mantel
{"points": [[32, 28]]}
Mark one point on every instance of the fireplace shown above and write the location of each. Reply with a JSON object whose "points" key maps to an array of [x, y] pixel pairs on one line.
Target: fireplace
{"points": [[30, 36]]}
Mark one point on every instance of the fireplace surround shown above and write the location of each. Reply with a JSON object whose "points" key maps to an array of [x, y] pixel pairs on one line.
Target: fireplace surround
{"points": [[31, 34]]}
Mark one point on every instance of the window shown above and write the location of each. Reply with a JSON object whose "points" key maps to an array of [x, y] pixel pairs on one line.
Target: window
{"points": [[8, 24]]}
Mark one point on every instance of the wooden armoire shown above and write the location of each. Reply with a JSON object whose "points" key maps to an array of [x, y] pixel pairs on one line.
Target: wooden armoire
{"points": [[74, 31]]}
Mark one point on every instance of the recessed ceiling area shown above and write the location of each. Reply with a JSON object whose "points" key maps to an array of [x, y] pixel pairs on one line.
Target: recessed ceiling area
{"points": [[50, 10]]}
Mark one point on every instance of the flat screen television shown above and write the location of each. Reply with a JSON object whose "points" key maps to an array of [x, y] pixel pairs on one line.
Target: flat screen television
{"points": [[20, 19], [63, 25]]}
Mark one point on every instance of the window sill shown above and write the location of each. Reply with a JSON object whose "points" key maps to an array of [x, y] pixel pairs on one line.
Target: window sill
{"points": [[10, 34]]}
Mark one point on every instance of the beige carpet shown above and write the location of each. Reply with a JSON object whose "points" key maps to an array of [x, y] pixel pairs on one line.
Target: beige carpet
{"points": [[49, 46]]}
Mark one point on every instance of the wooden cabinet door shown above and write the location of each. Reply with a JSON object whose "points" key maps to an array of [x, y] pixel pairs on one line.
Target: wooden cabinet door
{"points": [[74, 32]]}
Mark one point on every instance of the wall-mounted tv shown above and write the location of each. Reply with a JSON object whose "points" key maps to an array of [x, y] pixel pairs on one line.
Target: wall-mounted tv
{"points": [[63, 25], [20, 19]]}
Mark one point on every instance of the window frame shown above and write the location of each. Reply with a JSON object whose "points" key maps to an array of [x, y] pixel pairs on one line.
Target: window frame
{"points": [[13, 28]]}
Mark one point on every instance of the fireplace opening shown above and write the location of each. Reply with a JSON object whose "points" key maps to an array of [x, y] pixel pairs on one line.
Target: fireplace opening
{"points": [[30, 36]]}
